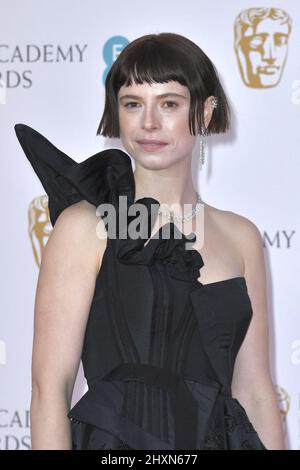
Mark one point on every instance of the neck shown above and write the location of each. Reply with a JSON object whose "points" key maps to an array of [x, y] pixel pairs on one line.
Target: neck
{"points": [[169, 186]]}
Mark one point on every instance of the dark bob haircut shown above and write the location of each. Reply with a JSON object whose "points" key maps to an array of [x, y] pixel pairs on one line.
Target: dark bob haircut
{"points": [[160, 58]]}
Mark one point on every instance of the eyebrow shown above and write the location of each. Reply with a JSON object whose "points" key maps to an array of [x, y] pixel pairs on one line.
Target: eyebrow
{"points": [[164, 95]]}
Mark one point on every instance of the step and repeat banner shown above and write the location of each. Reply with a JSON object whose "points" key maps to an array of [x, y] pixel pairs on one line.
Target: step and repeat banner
{"points": [[54, 58]]}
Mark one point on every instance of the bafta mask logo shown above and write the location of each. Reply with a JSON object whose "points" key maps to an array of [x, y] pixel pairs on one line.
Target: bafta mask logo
{"points": [[39, 226], [260, 42]]}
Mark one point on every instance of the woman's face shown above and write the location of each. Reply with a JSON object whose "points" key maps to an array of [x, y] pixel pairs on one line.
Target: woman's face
{"points": [[146, 115]]}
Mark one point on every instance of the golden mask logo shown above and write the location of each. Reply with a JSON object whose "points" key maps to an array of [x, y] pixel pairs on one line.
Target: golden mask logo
{"points": [[260, 42], [39, 226]]}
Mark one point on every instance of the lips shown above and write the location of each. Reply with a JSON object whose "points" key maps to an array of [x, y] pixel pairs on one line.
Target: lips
{"points": [[151, 145], [268, 69], [151, 142]]}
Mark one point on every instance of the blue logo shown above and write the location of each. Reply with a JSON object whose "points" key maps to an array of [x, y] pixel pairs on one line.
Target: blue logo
{"points": [[111, 49]]}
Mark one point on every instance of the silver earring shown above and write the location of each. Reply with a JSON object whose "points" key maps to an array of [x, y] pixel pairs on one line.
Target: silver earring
{"points": [[202, 145], [214, 102], [204, 132]]}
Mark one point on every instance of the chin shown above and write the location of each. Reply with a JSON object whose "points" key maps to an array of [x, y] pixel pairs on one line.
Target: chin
{"points": [[154, 162]]}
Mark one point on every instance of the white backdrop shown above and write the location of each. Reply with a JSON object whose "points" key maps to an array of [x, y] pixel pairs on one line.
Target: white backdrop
{"points": [[53, 59]]}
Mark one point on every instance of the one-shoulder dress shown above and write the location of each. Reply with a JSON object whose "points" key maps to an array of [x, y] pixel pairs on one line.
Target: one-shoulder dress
{"points": [[159, 346]]}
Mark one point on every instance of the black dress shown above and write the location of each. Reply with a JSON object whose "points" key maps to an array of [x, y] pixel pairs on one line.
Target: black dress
{"points": [[159, 346]]}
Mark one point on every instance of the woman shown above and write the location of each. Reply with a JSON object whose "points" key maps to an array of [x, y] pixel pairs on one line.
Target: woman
{"points": [[174, 357]]}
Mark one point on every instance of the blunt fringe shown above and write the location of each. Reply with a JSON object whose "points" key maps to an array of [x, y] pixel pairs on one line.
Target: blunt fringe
{"points": [[160, 58]]}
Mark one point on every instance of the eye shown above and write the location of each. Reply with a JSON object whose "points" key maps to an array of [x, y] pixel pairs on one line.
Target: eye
{"points": [[256, 42], [173, 103], [280, 40], [130, 102]]}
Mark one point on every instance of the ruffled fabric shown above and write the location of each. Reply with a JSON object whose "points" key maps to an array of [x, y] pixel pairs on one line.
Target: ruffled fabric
{"points": [[169, 246], [101, 178]]}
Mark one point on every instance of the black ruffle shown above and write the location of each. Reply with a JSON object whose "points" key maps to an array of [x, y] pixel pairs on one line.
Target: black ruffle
{"points": [[100, 178]]}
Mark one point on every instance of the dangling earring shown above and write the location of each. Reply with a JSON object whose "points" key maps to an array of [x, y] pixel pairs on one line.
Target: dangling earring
{"points": [[202, 149], [204, 132]]}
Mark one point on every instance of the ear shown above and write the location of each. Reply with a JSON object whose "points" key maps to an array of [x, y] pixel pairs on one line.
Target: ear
{"points": [[208, 110]]}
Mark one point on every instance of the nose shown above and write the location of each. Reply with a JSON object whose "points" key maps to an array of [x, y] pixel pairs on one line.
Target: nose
{"points": [[269, 51], [150, 118]]}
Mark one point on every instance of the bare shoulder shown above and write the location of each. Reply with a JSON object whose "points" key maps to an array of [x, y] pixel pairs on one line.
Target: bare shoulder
{"points": [[81, 215], [78, 226], [243, 231]]}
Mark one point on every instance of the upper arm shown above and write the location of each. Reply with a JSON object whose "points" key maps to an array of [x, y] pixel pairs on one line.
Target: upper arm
{"points": [[64, 293], [251, 370]]}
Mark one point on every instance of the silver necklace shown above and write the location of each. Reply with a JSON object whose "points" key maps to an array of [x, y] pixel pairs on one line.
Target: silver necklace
{"points": [[184, 218]]}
